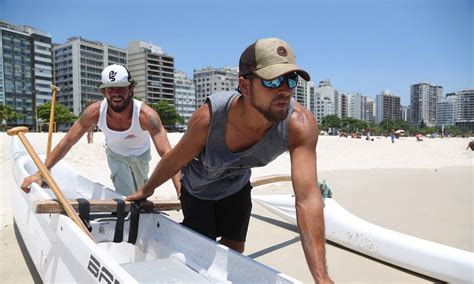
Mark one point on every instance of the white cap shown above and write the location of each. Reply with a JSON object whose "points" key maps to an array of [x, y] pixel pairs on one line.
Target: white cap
{"points": [[115, 76]]}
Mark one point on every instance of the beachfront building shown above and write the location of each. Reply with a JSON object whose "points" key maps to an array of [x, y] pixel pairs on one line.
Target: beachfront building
{"points": [[185, 99], [304, 93], [446, 110], [323, 107], [210, 80], [324, 95], [25, 70], [370, 111], [387, 107], [326, 90], [78, 67], [312, 98], [153, 70], [423, 103], [358, 106], [341, 104], [405, 113], [465, 109]]}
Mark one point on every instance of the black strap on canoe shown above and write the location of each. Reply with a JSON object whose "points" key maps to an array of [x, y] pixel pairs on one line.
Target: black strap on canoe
{"points": [[84, 212], [118, 237], [134, 220]]}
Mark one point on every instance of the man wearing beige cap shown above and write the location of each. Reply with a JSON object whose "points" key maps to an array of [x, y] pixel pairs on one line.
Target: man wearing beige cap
{"points": [[236, 131], [127, 125]]}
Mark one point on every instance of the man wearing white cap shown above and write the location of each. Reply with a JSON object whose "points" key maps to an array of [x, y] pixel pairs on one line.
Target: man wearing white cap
{"points": [[127, 125], [236, 131]]}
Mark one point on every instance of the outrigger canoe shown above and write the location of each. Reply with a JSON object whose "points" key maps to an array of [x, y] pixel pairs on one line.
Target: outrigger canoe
{"points": [[426, 258], [143, 247]]}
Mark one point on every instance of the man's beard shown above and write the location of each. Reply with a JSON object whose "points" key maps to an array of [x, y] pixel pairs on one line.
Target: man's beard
{"points": [[273, 116], [122, 107]]}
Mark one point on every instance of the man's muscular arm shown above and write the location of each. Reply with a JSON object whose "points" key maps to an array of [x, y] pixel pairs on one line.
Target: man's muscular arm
{"points": [[87, 120], [190, 145], [152, 122], [303, 137]]}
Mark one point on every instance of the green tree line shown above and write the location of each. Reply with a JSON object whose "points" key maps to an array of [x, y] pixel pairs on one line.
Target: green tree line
{"points": [[351, 125], [8, 114]]}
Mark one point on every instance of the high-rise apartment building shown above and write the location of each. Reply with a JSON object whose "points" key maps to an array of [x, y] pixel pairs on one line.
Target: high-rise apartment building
{"points": [[25, 70], [312, 98], [324, 99], [423, 102], [370, 111], [185, 99], [304, 93], [446, 110], [78, 64], [324, 107], [153, 70], [357, 106], [465, 109], [387, 107], [209, 80], [341, 104], [325, 90], [405, 113]]}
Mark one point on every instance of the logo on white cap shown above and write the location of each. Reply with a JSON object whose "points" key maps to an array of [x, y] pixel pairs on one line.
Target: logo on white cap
{"points": [[115, 76], [112, 76]]}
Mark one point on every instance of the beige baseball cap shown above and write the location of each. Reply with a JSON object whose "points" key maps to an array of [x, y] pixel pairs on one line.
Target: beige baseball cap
{"points": [[115, 75], [269, 58]]}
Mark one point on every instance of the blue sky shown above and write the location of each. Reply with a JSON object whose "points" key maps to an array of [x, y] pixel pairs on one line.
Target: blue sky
{"points": [[362, 46]]}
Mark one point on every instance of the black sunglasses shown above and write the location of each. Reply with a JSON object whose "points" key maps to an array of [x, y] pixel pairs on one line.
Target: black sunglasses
{"points": [[291, 81]]}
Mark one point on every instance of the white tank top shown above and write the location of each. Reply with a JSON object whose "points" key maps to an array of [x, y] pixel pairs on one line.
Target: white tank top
{"points": [[131, 142]]}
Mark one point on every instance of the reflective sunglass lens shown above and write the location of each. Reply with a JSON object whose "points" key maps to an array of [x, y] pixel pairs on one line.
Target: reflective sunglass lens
{"points": [[273, 84], [292, 83], [291, 80]]}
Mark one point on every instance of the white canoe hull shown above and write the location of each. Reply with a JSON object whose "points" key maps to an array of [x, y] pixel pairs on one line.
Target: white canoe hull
{"points": [[425, 257], [164, 251]]}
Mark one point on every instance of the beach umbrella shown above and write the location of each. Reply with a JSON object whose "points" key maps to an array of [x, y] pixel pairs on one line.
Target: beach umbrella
{"points": [[399, 131]]}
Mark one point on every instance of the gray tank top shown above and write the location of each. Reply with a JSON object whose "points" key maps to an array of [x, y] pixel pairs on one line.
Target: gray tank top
{"points": [[217, 172]]}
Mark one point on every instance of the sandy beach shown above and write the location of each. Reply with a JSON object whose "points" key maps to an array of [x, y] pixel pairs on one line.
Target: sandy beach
{"points": [[424, 189]]}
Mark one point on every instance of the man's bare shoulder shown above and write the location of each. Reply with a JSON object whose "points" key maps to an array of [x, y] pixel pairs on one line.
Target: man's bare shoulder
{"points": [[149, 118], [201, 118], [146, 111], [302, 127], [90, 116], [203, 114], [198, 128]]}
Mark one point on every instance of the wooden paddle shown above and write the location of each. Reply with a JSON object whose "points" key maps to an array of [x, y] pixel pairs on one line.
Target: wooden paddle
{"points": [[270, 179], [51, 119], [47, 176]]}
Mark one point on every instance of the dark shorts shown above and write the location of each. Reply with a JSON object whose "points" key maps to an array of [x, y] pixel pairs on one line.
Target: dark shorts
{"points": [[227, 218]]}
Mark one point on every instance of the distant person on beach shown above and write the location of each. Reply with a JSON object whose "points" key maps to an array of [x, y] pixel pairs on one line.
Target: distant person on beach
{"points": [[419, 137], [470, 145], [367, 135], [236, 131], [392, 135], [127, 124]]}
